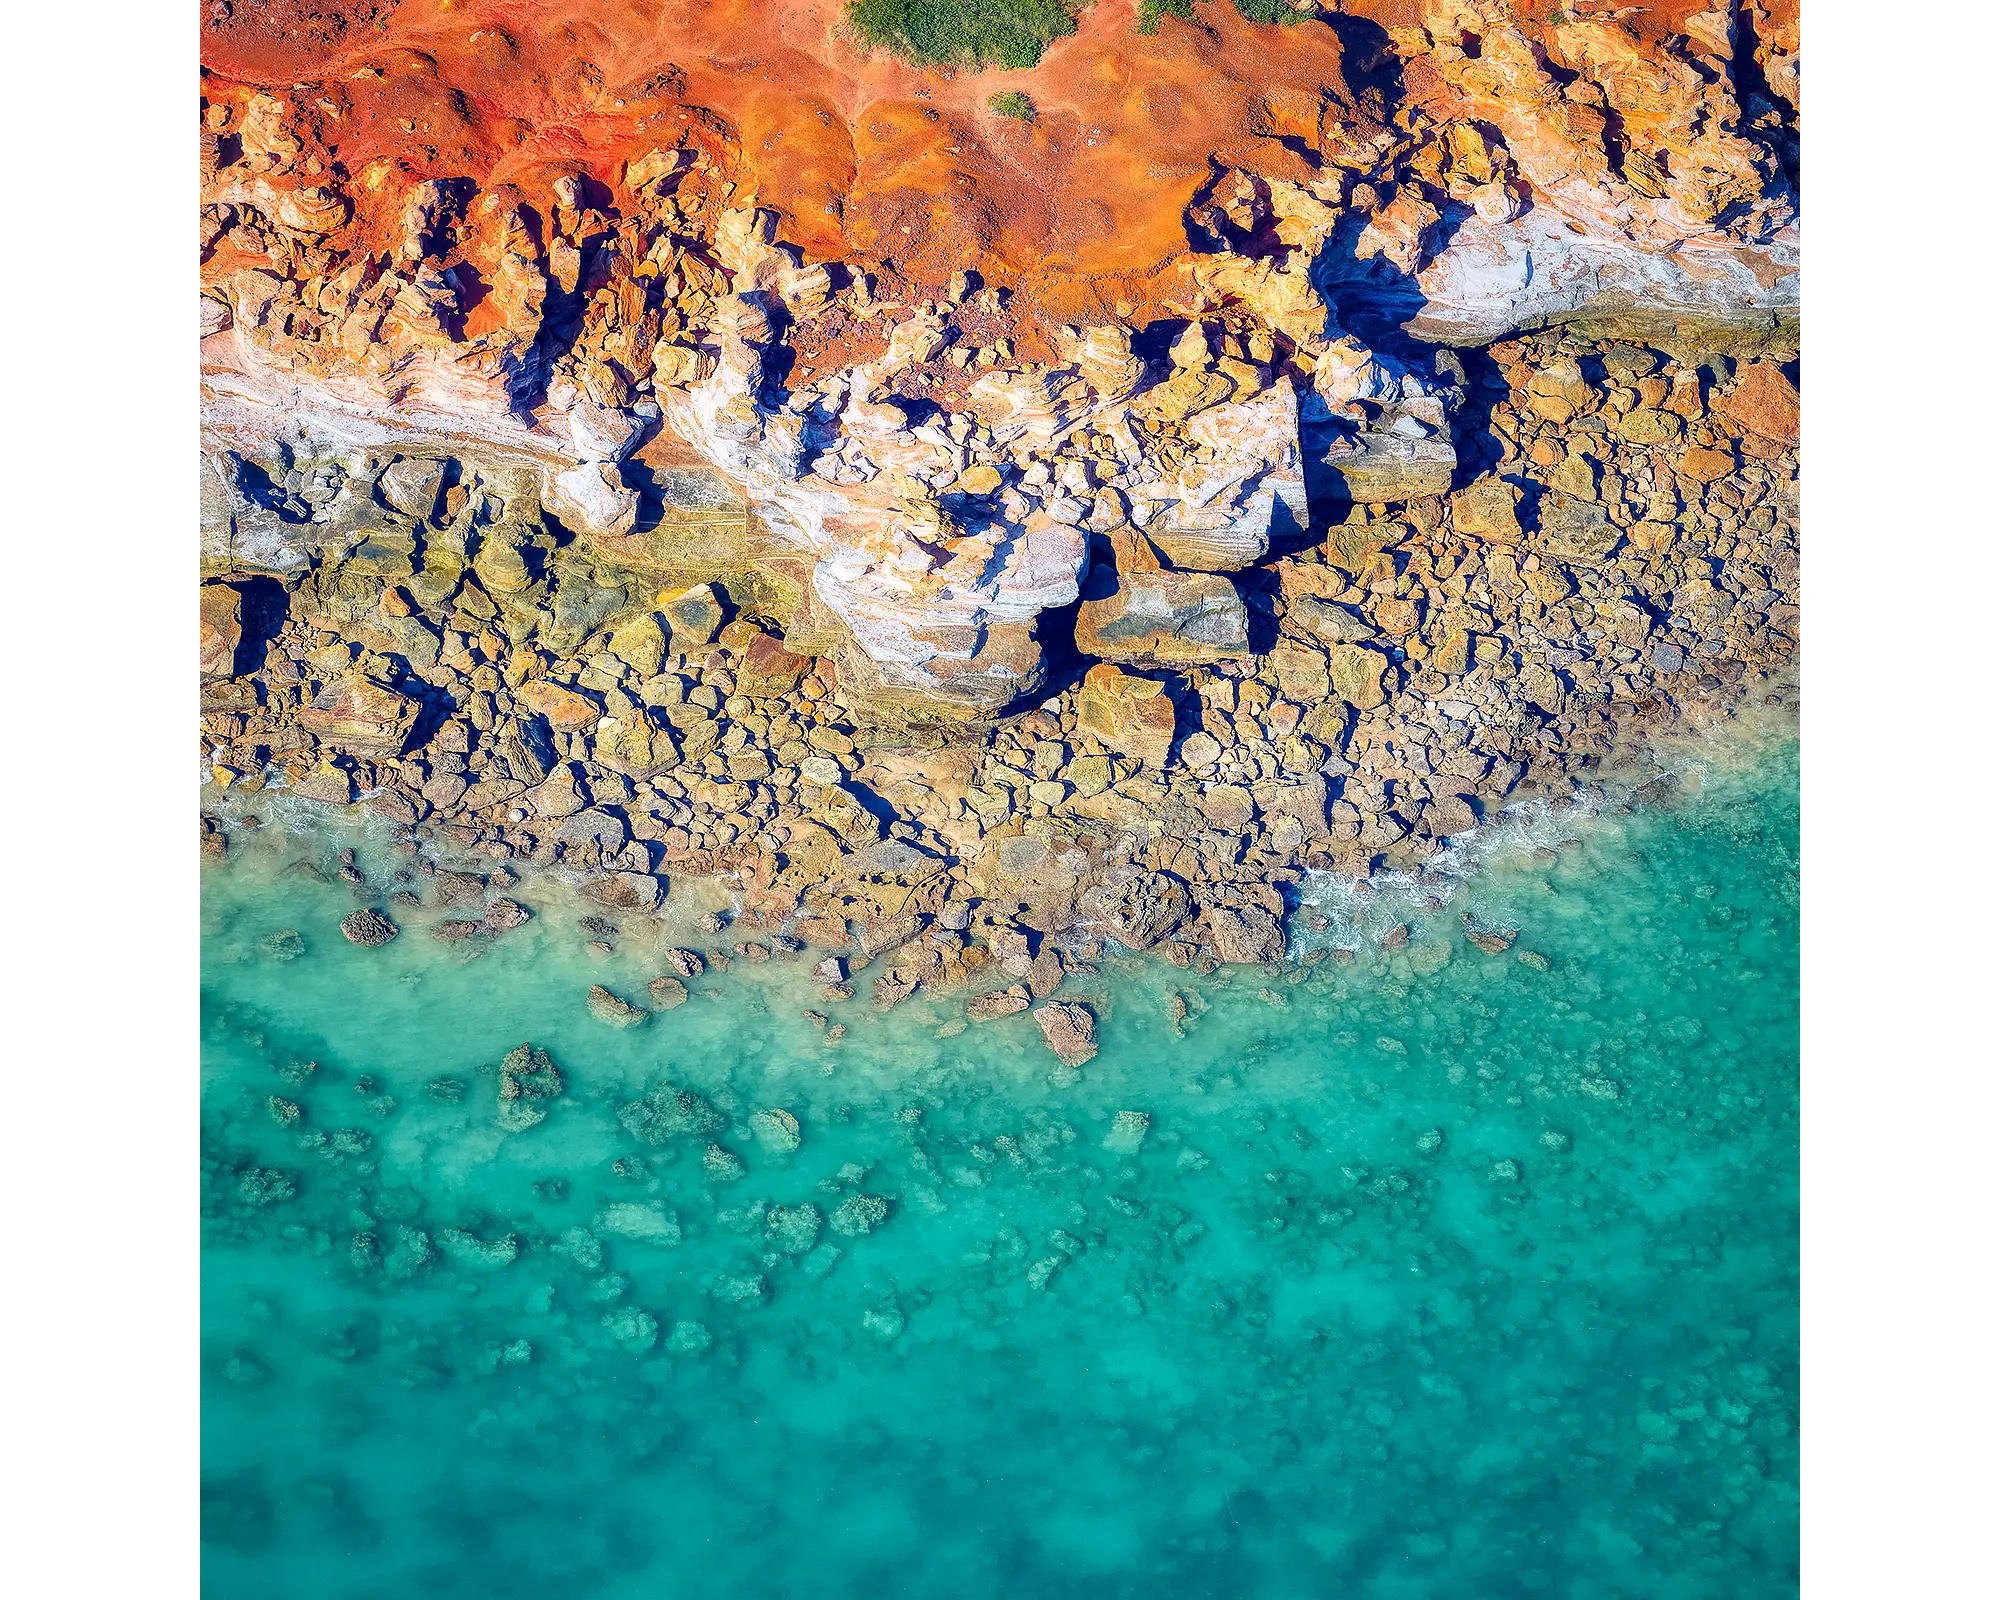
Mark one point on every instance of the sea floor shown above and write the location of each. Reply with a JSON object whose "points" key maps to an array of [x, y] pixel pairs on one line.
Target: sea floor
{"points": [[1438, 1273]]}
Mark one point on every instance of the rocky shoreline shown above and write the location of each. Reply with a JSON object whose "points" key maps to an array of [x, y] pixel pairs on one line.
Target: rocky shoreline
{"points": [[1423, 665], [564, 503]]}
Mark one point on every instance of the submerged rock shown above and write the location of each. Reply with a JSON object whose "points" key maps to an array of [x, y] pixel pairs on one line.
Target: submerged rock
{"points": [[689, 1339], [607, 1007], [1128, 1133], [368, 928], [859, 1215], [668, 1113], [503, 914], [529, 1083], [721, 1166], [667, 993], [740, 1289], [777, 1130], [648, 1221], [998, 1003], [793, 1229], [1071, 1032]]}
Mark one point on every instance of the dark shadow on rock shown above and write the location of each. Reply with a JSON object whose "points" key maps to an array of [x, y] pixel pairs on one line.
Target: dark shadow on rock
{"points": [[435, 707], [265, 605], [1259, 588]]}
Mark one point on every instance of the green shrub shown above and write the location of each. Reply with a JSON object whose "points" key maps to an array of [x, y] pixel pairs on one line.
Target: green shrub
{"points": [[1278, 11], [1012, 104], [966, 33], [1282, 11], [1150, 12]]}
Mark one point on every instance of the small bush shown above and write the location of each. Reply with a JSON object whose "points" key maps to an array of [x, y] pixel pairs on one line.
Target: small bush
{"points": [[966, 33], [1151, 11], [1280, 11], [1012, 104], [1277, 11]]}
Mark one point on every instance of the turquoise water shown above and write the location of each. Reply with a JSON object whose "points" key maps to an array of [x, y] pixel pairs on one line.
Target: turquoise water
{"points": [[1437, 1273]]}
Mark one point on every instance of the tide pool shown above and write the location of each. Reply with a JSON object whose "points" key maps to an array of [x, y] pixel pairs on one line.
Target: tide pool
{"points": [[1438, 1273]]}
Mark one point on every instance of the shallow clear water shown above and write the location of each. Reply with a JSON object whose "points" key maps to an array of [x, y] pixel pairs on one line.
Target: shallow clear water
{"points": [[1436, 1274]]}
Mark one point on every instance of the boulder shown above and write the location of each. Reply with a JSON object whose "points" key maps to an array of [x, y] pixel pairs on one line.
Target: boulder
{"points": [[1707, 466], [560, 794], [1446, 815], [1354, 675], [1328, 622], [564, 707], [1647, 426], [1765, 402], [1576, 531], [636, 745], [328, 784], [1489, 510], [1575, 476], [593, 499], [602, 433], [1179, 617], [221, 629], [1230, 545], [411, 486], [1402, 457], [1071, 1032], [1135, 907], [641, 643], [694, 614], [362, 716], [766, 669], [1127, 713], [1245, 935], [367, 928], [625, 891], [1301, 672]]}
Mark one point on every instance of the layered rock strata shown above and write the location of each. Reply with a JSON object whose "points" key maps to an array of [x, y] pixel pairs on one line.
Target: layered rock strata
{"points": [[1625, 562]]}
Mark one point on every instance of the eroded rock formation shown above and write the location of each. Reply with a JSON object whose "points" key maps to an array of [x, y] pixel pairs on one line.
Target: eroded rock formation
{"points": [[681, 441]]}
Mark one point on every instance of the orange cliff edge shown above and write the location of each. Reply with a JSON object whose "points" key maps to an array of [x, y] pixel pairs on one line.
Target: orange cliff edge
{"points": [[578, 234]]}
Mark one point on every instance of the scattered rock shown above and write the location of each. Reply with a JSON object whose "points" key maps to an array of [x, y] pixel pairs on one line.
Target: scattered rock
{"points": [[998, 1003], [503, 914], [368, 928], [859, 1215], [1071, 1032], [776, 1130], [1127, 713], [1244, 935], [607, 1007], [1174, 617], [667, 993]]}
